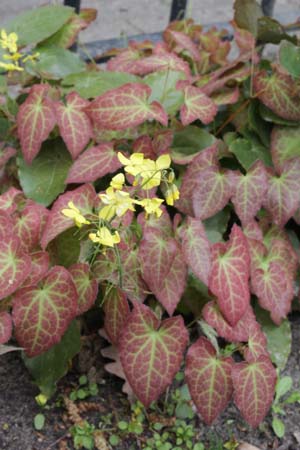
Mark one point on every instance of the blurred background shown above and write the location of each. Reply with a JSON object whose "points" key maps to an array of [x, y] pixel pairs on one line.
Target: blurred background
{"points": [[129, 17]]}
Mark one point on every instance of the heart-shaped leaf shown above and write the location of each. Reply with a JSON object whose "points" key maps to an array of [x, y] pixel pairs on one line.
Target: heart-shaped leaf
{"points": [[197, 105], [39, 267], [74, 125], [230, 270], [209, 379], [94, 163], [151, 352], [35, 120], [285, 145], [86, 286], [116, 310], [254, 387], [42, 313]]}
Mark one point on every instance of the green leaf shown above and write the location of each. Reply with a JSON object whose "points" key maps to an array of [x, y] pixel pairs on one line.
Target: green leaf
{"points": [[52, 365], [271, 31], [163, 85], [270, 116], [279, 337], [188, 142], [283, 385], [248, 152], [39, 421], [257, 124], [92, 84], [278, 427], [65, 248], [44, 179], [246, 15], [55, 63], [216, 225], [114, 440], [289, 57], [37, 24], [293, 398]]}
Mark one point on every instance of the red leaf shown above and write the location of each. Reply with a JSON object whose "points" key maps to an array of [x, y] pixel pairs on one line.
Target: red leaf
{"points": [[274, 288], [212, 192], [156, 254], [132, 283], [238, 333], [27, 226], [143, 144], [283, 195], [161, 61], [226, 96], [123, 107], [279, 92], [192, 177], [8, 200], [86, 287], [35, 120], [184, 42], [285, 145], [14, 265], [94, 163], [209, 379], [197, 105], [39, 267], [249, 191], [116, 310], [229, 275], [6, 225], [254, 386], [169, 292], [125, 61], [196, 248], [5, 327], [43, 312], [257, 345], [151, 352], [83, 198], [74, 124]]}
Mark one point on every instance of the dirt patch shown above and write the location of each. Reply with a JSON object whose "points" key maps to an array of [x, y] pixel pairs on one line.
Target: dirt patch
{"points": [[18, 408]]}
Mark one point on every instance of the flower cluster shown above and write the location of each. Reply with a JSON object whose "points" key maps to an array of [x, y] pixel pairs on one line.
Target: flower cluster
{"points": [[118, 199], [12, 57]]}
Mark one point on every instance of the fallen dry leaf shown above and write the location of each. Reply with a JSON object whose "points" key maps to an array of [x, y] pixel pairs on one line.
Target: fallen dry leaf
{"points": [[246, 446]]}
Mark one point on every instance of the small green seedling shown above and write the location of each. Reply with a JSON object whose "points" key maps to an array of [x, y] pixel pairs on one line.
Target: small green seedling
{"points": [[85, 390], [39, 422], [83, 435], [283, 386]]}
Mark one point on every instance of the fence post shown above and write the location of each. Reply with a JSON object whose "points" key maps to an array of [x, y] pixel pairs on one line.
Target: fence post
{"points": [[178, 8], [268, 7], [74, 3]]}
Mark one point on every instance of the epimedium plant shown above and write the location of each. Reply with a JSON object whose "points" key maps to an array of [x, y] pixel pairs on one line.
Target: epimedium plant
{"points": [[167, 183]]}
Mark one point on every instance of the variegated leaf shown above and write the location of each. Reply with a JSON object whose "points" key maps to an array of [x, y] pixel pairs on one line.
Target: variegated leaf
{"points": [[257, 344], [116, 310], [5, 154], [42, 313], [39, 267], [94, 163], [230, 270], [197, 105], [123, 107], [285, 145], [74, 124], [86, 286], [9, 200], [15, 266], [254, 387], [279, 92], [84, 198], [35, 120], [196, 248], [238, 333], [151, 352], [212, 192], [209, 379], [283, 195], [248, 191]]}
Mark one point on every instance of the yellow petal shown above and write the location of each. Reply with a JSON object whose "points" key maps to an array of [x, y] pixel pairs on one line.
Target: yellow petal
{"points": [[123, 160], [118, 181], [163, 162]]}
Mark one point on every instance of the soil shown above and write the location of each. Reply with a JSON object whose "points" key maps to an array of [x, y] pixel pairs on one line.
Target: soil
{"points": [[18, 408]]}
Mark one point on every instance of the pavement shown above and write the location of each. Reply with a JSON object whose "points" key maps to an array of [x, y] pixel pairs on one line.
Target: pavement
{"points": [[128, 17]]}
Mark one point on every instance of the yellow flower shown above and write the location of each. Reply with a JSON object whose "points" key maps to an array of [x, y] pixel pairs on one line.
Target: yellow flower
{"points": [[31, 57], [10, 67], [73, 213], [117, 203], [152, 206], [105, 237], [14, 57], [9, 41], [146, 171], [118, 181], [172, 194]]}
